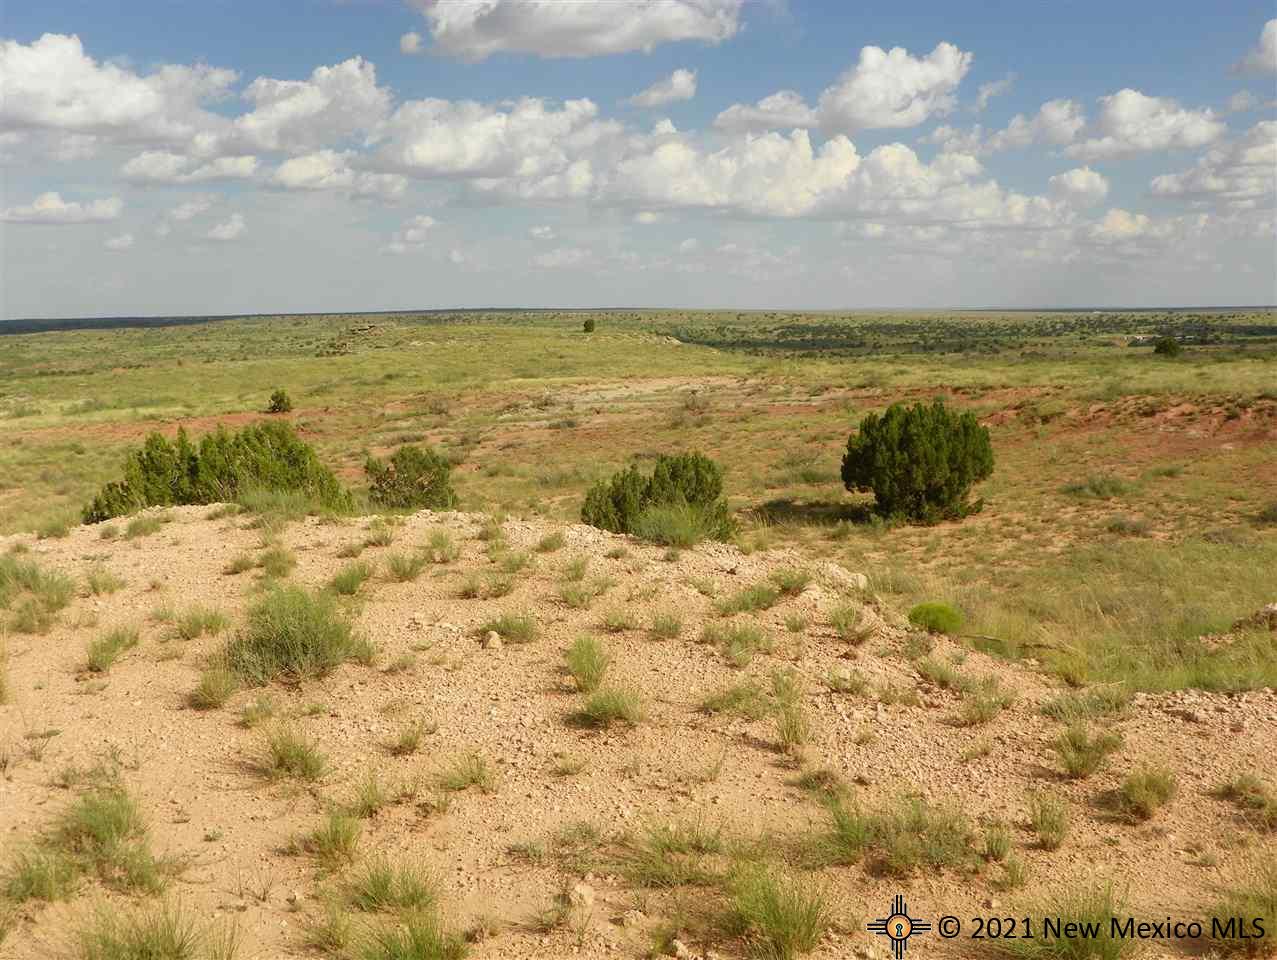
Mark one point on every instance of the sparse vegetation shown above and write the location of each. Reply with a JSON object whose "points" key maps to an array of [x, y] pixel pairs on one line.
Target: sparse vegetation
{"points": [[414, 478], [383, 885], [1146, 791], [102, 581], [217, 685], [1082, 754], [200, 621], [1088, 932], [783, 916], [587, 663], [294, 634], [350, 578], [1253, 898], [469, 771], [291, 754], [512, 627], [610, 705], [935, 617], [1049, 817], [106, 649], [897, 840]]}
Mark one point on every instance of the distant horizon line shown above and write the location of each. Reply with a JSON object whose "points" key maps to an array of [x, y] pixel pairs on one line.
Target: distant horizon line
{"points": [[636, 309]]}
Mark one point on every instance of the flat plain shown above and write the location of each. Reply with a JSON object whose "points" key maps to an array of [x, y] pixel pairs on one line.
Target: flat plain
{"points": [[773, 750]]}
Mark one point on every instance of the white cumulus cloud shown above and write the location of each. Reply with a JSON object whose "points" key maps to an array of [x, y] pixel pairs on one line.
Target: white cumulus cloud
{"points": [[164, 167], [336, 104], [412, 235], [51, 84], [229, 229], [679, 85], [562, 258], [783, 110], [995, 88], [1263, 59], [190, 209], [1131, 122], [885, 89], [1240, 174], [331, 170], [476, 29], [1081, 186], [52, 209]]}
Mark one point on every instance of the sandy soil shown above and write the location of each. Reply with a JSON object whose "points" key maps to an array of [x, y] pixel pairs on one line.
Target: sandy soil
{"points": [[193, 771]]}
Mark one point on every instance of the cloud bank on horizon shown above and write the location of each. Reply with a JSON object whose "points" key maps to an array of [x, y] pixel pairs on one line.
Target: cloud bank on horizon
{"points": [[151, 187]]}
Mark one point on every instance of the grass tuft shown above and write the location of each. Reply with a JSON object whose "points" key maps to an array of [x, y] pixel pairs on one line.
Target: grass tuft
{"points": [[611, 705], [781, 916], [290, 754], [1092, 910], [1146, 791], [106, 649], [293, 634], [1082, 754], [512, 627], [587, 662]]}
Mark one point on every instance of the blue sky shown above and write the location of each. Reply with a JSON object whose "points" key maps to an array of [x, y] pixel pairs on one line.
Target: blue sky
{"points": [[384, 154]]}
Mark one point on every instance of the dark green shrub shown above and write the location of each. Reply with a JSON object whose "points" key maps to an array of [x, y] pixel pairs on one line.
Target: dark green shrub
{"points": [[588, 326], [936, 617], [414, 477], [280, 402], [633, 503], [264, 456], [920, 461], [1167, 347]]}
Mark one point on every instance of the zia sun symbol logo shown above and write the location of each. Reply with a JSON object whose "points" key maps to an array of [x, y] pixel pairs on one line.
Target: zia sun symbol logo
{"points": [[898, 926]]}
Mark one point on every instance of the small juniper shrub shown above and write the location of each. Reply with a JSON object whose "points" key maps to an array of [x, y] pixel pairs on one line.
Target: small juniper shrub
{"points": [[279, 402], [262, 456], [920, 462], [679, 503], [413, 478]]}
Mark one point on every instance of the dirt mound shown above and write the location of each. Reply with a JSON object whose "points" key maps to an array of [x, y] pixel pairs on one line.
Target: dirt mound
{"points": [[501, 851]]}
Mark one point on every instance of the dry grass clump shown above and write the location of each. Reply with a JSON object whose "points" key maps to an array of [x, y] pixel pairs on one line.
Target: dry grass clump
{"points": [[291, 754], [897, 840], [587, 662], [106, 649], [1146, 791], [1082, 754], [293, 634], [1049, 817], [611, 705]]}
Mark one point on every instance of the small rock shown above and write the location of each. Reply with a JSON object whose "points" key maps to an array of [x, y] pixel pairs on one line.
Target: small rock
{"points": [[581, 896], [492, 640]]}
